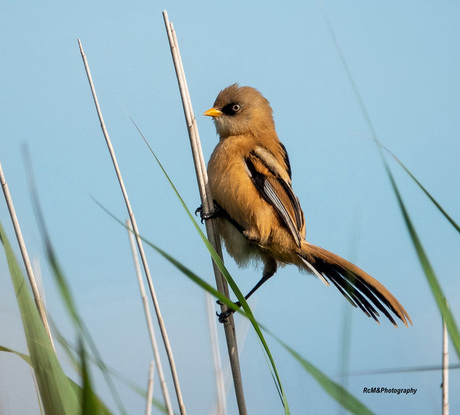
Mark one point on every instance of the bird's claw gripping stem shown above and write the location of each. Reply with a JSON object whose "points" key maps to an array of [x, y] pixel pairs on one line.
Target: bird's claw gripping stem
{"points": [[207, 216], [226, 314]]}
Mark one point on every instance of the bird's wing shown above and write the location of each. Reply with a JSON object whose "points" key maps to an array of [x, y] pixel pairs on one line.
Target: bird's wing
{"points": [[274, 184], [286, 160]]}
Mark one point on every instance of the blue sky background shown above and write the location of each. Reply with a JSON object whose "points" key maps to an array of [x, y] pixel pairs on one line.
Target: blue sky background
{"points": [[405, 60]]}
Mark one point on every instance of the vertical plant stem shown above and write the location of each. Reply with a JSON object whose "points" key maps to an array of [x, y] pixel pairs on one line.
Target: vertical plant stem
{"points": [[148, 406], [445, 369], [220, 383], [208, 206], [25, 256], [138, 239], [145, 304]]}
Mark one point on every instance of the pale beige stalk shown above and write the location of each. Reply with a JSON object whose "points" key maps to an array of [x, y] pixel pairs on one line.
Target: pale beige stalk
{"points": [[148, 317], [140, 247], [445, 369], [148, 406], [25, 256]]}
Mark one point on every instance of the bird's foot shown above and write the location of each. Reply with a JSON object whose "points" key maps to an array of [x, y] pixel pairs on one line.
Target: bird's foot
{"points": [[226, 314], [207, 216]]}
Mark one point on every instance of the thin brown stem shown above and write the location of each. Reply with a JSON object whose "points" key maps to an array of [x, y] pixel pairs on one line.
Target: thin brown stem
{"points": [[207, 204]]}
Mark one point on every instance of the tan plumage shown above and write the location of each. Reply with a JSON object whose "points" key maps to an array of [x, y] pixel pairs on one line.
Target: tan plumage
{"points": [[259, 216]]}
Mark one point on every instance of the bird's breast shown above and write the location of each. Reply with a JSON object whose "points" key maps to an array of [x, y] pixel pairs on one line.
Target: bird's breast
{"points": [[233, 189]]}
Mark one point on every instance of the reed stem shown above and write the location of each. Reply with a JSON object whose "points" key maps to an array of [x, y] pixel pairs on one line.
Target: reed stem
{"points": [[25, 256], [208, 206], [148, 318], [140, 247]]}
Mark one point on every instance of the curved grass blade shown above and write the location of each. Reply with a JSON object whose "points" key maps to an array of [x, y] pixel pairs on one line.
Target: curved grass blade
{"points": [[428, 269], [80, 325], [70, 351], [88, 401], [102, 409], [344, 398], [62, 284], [19, 354], [335, 390], [435, 202], [339, 393], [247, 310], [371, 125], [56, 393], [227, 276]]}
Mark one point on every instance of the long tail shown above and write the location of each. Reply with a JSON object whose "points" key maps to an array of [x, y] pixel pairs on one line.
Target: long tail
{"points": [[358, 287]]}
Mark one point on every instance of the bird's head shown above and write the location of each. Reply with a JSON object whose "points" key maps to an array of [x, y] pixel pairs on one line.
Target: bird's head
{"points": [[241, 110]]}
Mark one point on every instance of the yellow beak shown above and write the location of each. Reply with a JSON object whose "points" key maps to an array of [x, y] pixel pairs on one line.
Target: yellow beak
{"points": [[213, 112]]}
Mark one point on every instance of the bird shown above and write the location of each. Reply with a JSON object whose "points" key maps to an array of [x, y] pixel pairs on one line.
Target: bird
{"points": [[258, 215]]}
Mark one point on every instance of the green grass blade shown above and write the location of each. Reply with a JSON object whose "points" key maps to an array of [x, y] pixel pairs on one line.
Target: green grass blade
{"points": [[343, 397], [339, 393], [71, 351], [203, 284], [218, 261], [423, 258], [335, 390], [63, 286], [56, 393], [103, 410], [88, 401], [428, 269], [435, 202], [100, 407], [80, 325], [21, 355]]}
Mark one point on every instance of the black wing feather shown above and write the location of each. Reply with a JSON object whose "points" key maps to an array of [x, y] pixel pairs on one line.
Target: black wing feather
{"points": [[269, 194]]}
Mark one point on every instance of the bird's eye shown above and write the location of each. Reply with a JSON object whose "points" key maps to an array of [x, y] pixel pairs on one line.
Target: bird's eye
{"points": [[236, 107], [231, 109]]}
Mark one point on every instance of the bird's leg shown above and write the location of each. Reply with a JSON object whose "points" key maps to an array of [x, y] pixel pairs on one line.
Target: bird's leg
{"points": [[220, 212], [269, 271]]}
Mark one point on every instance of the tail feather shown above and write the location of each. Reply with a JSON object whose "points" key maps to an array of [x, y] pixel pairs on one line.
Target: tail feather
{"points": [[358, 287], [355, 297]]}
